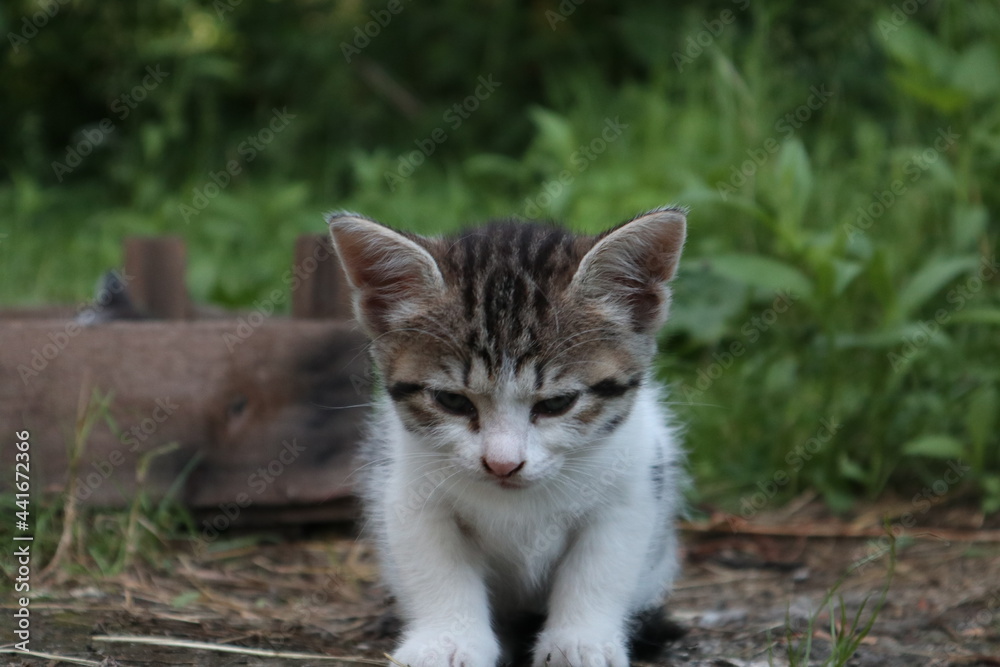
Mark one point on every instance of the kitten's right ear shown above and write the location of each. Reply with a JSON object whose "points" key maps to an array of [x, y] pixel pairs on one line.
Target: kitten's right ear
{"points": [[388, 271]]}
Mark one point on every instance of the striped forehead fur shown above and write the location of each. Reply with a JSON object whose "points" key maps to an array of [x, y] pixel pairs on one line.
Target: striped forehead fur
{"points": [[509, 291], [509, 279]]}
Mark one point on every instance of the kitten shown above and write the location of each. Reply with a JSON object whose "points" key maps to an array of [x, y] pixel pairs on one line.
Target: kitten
{"points": [[520, 462]]}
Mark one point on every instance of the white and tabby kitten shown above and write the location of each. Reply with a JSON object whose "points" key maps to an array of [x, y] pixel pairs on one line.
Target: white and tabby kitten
{"points": [[520, 463]]}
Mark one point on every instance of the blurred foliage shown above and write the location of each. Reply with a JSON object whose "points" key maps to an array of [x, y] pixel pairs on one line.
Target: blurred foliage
{"points": [[837, 157]]}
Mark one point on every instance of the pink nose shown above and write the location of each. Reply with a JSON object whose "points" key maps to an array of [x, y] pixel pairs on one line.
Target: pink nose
{"points": [[502, 468]]}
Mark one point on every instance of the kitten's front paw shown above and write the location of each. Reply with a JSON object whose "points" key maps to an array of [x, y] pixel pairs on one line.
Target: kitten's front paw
{"points": [[570, 648], [429, 649]]}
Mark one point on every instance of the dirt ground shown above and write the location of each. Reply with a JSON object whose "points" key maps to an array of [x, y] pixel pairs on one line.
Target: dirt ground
{"points": [[742, 596]]}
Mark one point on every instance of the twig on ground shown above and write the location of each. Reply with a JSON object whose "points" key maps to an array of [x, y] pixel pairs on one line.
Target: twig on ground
{"points": [[737, 525], [224, 648], [50, 656]]}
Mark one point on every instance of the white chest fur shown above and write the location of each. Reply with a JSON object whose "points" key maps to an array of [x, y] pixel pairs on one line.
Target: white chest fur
{"points": [[518, 537]]}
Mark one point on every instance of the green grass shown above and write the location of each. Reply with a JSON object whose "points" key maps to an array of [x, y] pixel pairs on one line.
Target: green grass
{"points": [[889, 332], [847, 633], [71, 540]]}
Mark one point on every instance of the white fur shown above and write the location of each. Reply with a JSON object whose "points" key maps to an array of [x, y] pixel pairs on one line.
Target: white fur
{"points": [[585, 541]]}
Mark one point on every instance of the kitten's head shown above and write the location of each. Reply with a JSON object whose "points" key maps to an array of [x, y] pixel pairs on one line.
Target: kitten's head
{"points": [[512, 348]]}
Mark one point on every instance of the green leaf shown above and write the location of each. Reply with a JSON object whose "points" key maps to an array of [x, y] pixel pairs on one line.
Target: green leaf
{"points": [[926, 282], [850, 469], [989, 316], [980, 420], [704, 306], [845, 272], [938, 446], [795, 184], [915, 48], [977, 71], [940, 97], [493, 165], [968, 225], [875, 340], [764, 272], [880, 279], [555, 134], [914, 336], [925, 66], [991, 486], [781, 375]]}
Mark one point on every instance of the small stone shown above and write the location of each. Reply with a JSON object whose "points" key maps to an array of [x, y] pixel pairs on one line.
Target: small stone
{"points": [[717, 619]]}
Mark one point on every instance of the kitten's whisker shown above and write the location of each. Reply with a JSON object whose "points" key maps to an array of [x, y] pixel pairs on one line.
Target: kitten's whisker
{"points": [[388, 459], [439, 484], [692, 403], [341, 407], [566, 351], [581, 333], [450, 342]]}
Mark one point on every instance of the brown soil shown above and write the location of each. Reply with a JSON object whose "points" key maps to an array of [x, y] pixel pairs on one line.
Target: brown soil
{"points": [[742, 597]]}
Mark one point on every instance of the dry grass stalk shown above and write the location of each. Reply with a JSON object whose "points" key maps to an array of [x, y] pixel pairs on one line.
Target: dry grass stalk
{"points": [[224, 648], [50, 656], [85, 414]]}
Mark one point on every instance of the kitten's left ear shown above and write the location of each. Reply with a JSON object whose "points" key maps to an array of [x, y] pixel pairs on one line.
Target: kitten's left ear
{"points": [[389, 272], [630, 265]]}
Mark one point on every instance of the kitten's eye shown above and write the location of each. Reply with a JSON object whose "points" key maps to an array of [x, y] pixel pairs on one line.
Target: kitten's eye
{"points": [[455, 403], [555, 406]]}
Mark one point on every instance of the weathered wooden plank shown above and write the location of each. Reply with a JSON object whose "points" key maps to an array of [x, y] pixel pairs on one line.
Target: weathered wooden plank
{"points": [[321, 290], [154, 276], [263, 407], [47, 312]]}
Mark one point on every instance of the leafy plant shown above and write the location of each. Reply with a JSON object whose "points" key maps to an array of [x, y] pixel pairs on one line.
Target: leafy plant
{"points": [[835, 156]]}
